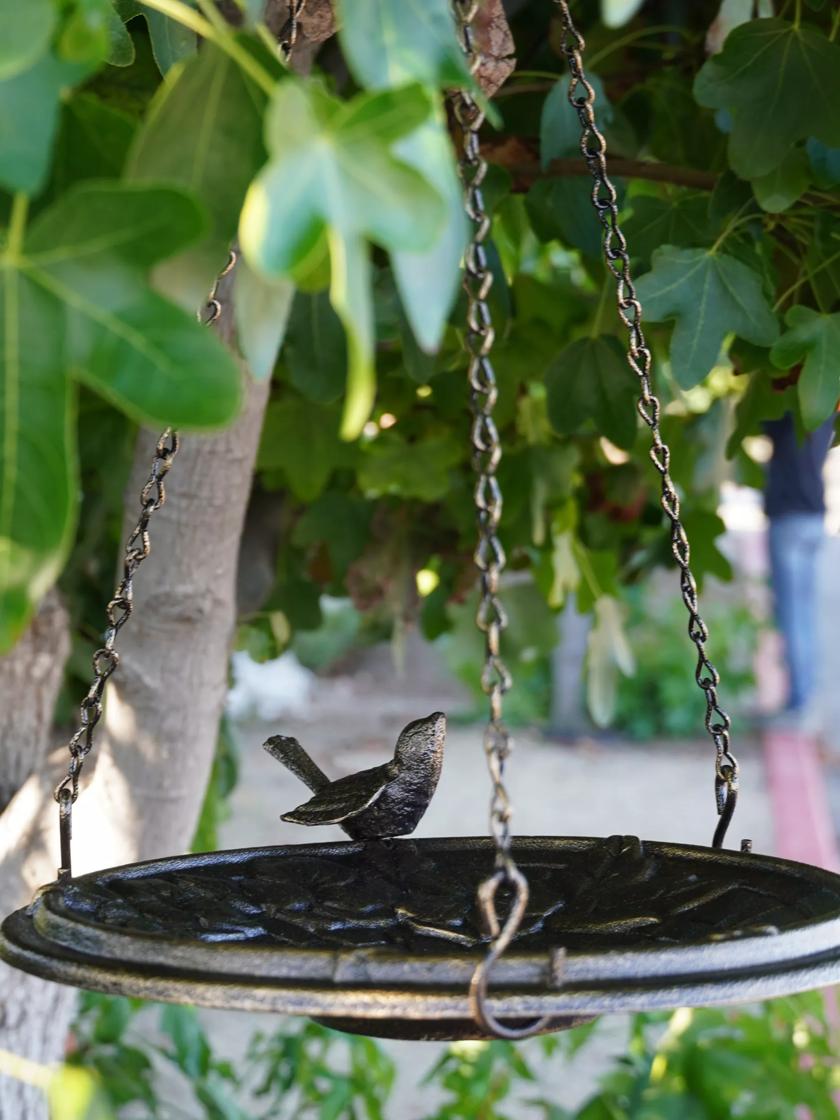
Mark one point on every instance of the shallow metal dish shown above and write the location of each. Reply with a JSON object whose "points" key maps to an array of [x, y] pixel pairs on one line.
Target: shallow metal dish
{"points": [[381, 937]]}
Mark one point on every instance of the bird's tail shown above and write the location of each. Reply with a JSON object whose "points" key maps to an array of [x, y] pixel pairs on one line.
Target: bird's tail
{"points": [[294, 758]]}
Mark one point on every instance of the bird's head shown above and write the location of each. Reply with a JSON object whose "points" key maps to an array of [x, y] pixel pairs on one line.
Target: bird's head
{"points": [[421, 737]]}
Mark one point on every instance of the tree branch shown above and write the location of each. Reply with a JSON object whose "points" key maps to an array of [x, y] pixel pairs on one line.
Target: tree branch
{"points": [[526, 174]]}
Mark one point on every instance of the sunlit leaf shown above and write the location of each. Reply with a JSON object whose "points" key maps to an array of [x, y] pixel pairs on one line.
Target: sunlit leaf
{"points": [[615, 13], [388, 45], [75, 1094], [332, 169], [428, 279], [261, 308], [203, 131], [391, 44]]}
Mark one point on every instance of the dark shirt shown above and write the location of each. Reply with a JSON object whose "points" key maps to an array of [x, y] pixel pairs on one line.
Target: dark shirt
{"points": [[795, 474]]}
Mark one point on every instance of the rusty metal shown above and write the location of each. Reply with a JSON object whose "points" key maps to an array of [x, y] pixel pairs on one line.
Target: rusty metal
{"points": [[119, 610], [489, 554], [383, 937], [593, 146]]}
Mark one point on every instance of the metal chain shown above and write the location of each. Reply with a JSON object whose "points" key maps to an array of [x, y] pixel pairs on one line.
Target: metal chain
{"points": [[489, 554], [290, 29], [120, 608], [594, 149]]}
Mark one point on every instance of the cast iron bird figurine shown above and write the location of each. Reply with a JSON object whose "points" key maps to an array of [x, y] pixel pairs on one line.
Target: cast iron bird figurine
{"points": [[373, 804]]}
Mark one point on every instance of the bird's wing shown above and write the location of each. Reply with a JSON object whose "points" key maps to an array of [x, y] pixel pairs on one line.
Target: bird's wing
{"points": [[343, 799]]}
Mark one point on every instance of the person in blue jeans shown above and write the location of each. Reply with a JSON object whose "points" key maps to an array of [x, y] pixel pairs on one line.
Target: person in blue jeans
{"points": [[794, 501]]}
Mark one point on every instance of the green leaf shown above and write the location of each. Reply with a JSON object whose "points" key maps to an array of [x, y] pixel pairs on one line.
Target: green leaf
{"points": [[561, 209], [608, 654], [781, 187], [301, 440], [392, 44], [814, 340], [730, 196], [121, 50], [87, 33], [76, 1094], [352, 297], [823, 260], [428, 280], [590, 380], [191, 1051], [559, 124], [702, 528], [759, 402], [37, 423], [332, 169], [709, 295], [781, 84], [203, 131], [75, 303], [675, 129], [261, 311], [171, 41], [27, 30], [341, 522], [29, 106], [92, 142], [656, 221], [390, 465], [825, 164], [315, 352], [615, 13]]}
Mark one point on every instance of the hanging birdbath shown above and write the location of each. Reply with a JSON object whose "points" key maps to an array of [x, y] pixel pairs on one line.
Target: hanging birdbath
{"points": [[445, 938]]}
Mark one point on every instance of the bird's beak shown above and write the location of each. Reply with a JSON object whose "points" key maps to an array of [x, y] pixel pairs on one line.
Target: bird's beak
{"points": [[438, 721]]}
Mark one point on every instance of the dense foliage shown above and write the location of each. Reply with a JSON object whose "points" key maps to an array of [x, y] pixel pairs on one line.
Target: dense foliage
{"points": [[137, 140], [769, 1062]]}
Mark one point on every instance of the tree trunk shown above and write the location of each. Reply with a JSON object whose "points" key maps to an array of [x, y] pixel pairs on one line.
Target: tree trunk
{"points": [[158, 733], [30, 677], [165, 701]]}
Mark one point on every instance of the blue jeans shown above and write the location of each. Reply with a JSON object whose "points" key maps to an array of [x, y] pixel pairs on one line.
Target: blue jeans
{"points": [[795, 543]]}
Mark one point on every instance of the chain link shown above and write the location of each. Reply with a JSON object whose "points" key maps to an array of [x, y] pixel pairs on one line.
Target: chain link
{"points": [[594, 149], [152, 497], [290, 29], [489, 554], [120, 608]]}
